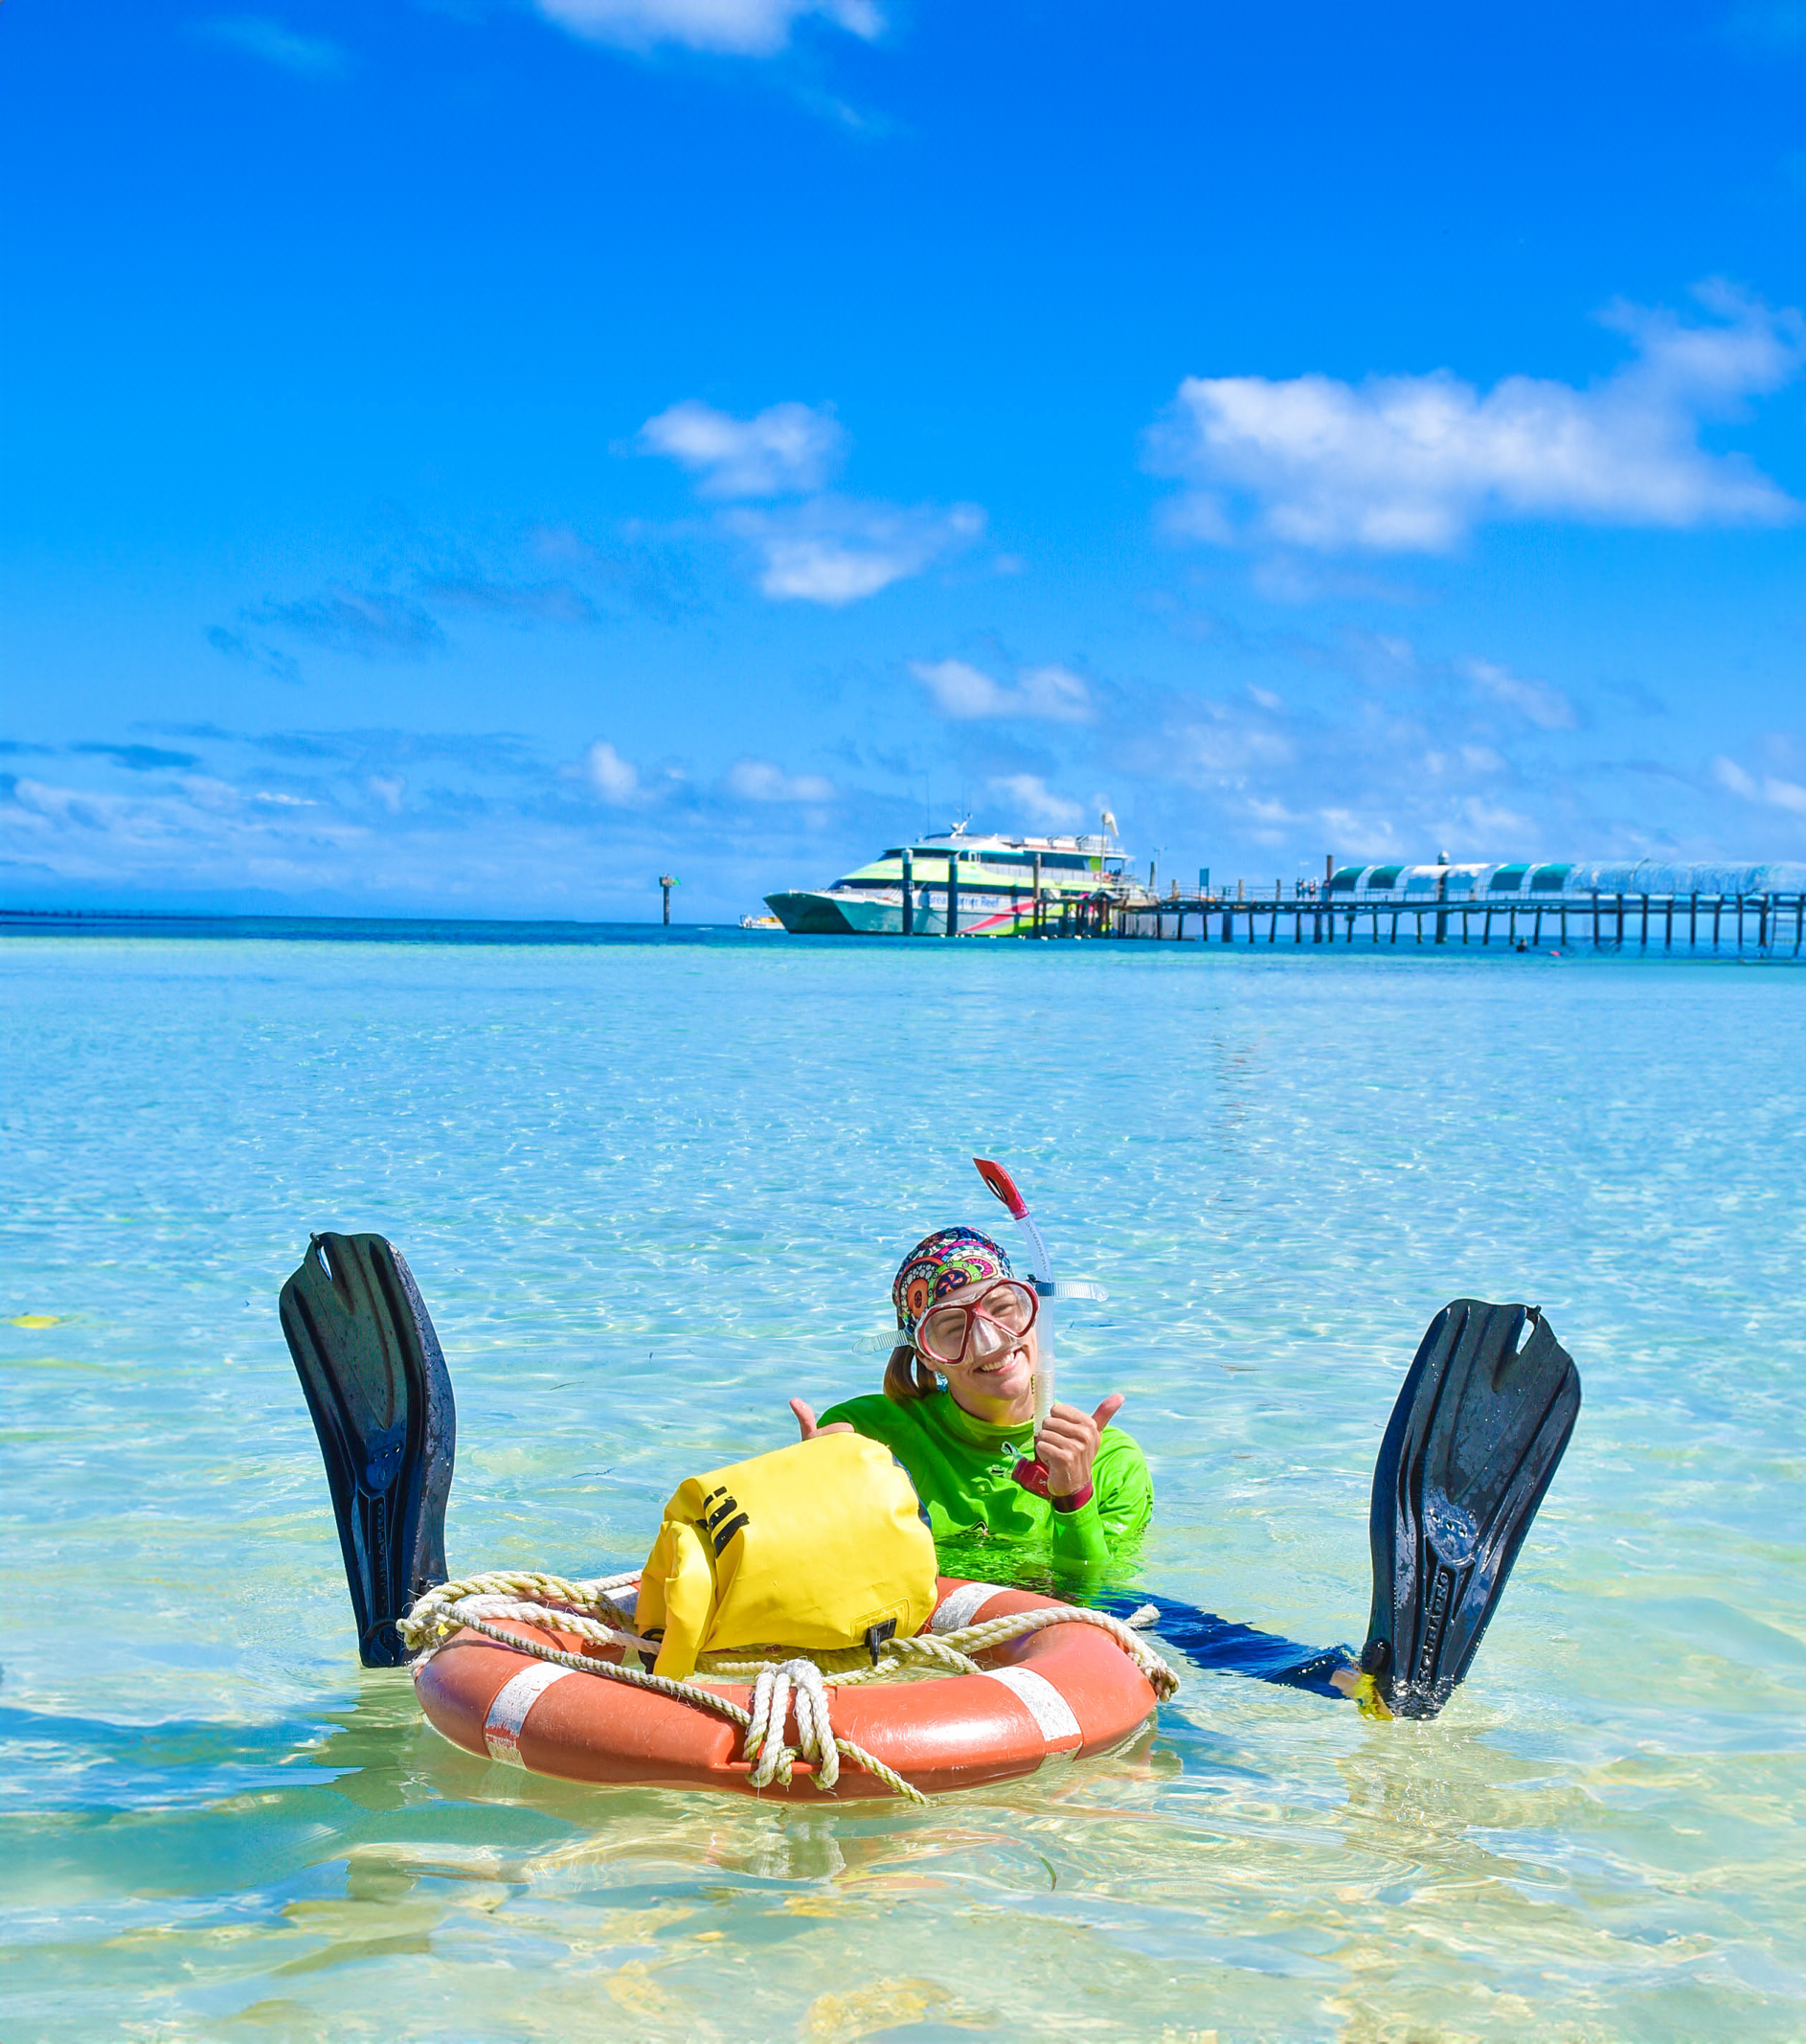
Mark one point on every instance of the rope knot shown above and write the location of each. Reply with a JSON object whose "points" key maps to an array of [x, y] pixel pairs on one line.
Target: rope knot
{"points": [[796, 1682]]}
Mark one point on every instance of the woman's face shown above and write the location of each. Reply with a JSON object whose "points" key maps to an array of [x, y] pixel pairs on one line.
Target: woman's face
{"points": [[998, 1368]]}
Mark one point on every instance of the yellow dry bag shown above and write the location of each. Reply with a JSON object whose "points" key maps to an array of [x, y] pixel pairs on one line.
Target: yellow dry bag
{"points": [[821, 1545]]}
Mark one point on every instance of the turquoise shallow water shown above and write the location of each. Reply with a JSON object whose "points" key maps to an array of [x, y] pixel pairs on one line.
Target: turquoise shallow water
{"points": [[652, 1189]]}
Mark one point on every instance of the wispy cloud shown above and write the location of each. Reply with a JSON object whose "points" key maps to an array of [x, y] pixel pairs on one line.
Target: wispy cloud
{"points": [[1768, 789], [271, 42], [1764, 27], [548, 603], [1407, 463], [1544, 704], [268, 660], [1030, 798], [365, 621], [646, 573], [449, 820], [731, 28], [1048, 694], [835, 550], [787, 449], [825, 549], [382, 751], [140, 759], [759, 780]]}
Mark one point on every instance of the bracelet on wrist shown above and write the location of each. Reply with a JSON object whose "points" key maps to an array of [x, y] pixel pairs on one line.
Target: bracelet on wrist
{"points": [[1078, 1499]]}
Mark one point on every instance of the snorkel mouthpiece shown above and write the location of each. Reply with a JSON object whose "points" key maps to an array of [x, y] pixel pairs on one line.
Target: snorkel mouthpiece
{"points": [[1032, 1475], [1003, 1186]]}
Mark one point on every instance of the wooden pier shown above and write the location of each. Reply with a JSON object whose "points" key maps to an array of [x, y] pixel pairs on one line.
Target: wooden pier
{"points": [[1771, 924]]}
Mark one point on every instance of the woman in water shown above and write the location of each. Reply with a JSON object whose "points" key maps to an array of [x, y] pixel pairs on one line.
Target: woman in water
{"points": [[964, 1318]]}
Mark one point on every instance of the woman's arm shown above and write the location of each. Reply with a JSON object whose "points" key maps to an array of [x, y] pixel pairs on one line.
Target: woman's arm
{"points": [[1110, 1508]]}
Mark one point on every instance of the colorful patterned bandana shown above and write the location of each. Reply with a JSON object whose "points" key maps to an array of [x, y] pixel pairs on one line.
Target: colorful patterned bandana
{"points": [[940, 1264]]}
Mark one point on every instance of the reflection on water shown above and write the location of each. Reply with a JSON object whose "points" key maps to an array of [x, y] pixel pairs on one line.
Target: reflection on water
{"points": [[649, 1194]]}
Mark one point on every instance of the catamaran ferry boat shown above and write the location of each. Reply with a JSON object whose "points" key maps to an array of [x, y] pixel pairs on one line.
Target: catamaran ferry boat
{"points": [[949, 884]]}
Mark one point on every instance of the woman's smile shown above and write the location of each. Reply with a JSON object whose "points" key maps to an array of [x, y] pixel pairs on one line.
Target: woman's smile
{"points": [[996, 1380]]}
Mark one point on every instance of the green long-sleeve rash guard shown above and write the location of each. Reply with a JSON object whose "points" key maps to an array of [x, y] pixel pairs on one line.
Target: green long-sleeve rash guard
{"points": [[961, 1469]]}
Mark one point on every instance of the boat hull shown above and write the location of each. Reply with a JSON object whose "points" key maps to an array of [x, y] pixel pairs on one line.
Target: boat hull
{"points": [[832, 912]]}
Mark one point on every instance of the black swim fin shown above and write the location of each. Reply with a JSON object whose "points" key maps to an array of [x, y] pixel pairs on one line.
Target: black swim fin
{"points": [[381, 1399], [1473, 1442]]}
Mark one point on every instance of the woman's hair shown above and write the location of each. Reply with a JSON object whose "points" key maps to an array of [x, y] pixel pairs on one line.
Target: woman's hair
{"points": [[906, 1376]]}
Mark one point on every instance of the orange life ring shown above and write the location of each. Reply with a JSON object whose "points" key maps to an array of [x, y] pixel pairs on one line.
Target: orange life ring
{"points": [[1067, 1689]]}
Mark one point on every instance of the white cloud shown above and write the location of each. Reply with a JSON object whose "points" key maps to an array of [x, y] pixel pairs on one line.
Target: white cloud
{"points": [[759, 780], [1409, 463], [93, 836], [1775, 793], [827, 549], [616, 780], [1051, 694], [272, 43], [388, 789], [734, 28], [784, 449], [1543, 703], [1226, 749], [833, 550], [1031, 797]]}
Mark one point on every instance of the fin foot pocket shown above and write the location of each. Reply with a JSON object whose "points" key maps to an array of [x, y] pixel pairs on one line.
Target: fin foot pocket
{"points": [[1479, 1427], [380, 1399]]}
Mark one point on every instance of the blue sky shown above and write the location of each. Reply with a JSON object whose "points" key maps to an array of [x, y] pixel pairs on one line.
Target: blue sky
{"points": [[472, 456]]}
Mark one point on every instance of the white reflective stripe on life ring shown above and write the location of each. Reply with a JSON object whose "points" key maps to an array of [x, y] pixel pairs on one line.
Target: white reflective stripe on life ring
{"points": [[1059, 1729], [960, 1607], [507, 1713]]}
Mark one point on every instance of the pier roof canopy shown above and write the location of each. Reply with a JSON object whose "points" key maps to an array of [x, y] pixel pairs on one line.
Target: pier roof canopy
{"points": [[1523, 879]]}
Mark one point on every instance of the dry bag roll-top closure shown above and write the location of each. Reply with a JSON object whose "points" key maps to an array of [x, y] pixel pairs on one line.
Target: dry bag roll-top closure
{"points": [[821, 1545]]}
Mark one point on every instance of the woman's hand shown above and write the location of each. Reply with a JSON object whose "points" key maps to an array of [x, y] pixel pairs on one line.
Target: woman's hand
{"points": [[805, 1420], [1066, 1446]]}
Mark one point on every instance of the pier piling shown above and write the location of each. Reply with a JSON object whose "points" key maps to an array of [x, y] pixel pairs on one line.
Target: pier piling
{"points": [[1344, 914]]}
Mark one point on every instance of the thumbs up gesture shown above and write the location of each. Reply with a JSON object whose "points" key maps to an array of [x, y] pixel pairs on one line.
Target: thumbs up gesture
{"points": [[1067, 1446]]}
